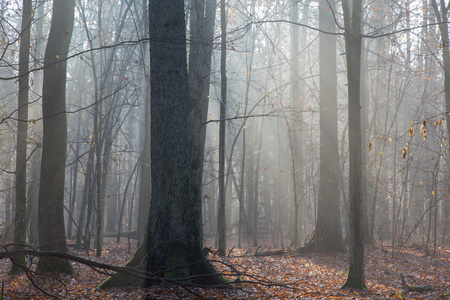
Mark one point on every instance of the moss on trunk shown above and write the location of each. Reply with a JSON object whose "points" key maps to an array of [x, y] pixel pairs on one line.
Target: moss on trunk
{"points": [[355, 281]]}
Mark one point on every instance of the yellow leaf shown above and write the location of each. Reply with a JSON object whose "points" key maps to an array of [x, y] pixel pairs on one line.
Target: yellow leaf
{"points": [[57, 56], [405, 151]]}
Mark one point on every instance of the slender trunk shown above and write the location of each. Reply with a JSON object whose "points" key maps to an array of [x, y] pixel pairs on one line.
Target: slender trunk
{"points": [[145, 164], [221, 226], [20, 222], [122, 208], [441, 13], [202, 19], [74, 177]]}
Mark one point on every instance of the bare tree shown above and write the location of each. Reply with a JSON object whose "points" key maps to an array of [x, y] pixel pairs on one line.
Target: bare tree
{"points": [[20, 222], [52, 235], [221, 225], [328, 234], [353, 37]]}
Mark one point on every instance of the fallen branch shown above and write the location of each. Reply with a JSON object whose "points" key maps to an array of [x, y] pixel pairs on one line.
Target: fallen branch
{"points": [[271, 253], [132, 271], [411, 288]]}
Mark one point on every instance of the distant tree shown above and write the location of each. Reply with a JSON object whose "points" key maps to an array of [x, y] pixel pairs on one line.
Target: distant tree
{"points": [[328, 234], [51, 191], [221, 224], [353, 38], [20, 222], [202, 19]]}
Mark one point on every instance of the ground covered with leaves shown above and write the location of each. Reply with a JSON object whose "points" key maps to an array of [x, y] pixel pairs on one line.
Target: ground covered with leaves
{"points": [[257, 274]]}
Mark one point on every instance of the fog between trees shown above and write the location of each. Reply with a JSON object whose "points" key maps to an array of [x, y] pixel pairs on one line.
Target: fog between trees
{"points": [[290, 175]]}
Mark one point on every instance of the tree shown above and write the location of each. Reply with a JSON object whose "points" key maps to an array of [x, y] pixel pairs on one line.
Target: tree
{"points": [[202, 19], [353, 37], [172, 246], [20, 222], [51, 191], [221, 224], [441, 12], [295, 97], [174, 222], [328, 234]]}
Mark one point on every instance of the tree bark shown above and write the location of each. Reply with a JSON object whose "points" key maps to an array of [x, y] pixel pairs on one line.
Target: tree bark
{"points": [[174, 228], [353, 37], [20, 222], [51, 192]]}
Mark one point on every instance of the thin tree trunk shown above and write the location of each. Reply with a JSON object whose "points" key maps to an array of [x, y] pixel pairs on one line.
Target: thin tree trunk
{"points": [[145, 167], [221, 226], [20, 222], [441, 13], [202, 19], [74, 177]]}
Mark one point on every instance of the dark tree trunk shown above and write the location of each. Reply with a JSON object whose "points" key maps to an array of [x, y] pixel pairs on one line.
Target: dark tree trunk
{"points": [[20, 222], [51, 192], [173, 239], [353, 37], [174, 229]]}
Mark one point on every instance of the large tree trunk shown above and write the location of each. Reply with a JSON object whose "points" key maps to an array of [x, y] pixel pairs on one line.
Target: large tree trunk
{"points": [[51, 192], [353, 37], [174, 228], [328, 234], [20, 222], [174, 222]]}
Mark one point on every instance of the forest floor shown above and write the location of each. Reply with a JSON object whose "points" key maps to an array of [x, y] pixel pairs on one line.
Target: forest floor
{"points": [[270, 276]]}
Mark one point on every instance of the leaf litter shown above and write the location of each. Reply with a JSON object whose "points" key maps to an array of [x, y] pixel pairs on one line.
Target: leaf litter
{"points": [[292, 275]]}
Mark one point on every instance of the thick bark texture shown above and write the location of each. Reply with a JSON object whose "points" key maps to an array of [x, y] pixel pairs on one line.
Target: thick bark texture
{"points": [[174, 239], [51, 192], [353, 36], [172, 246], [328, 234]]}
